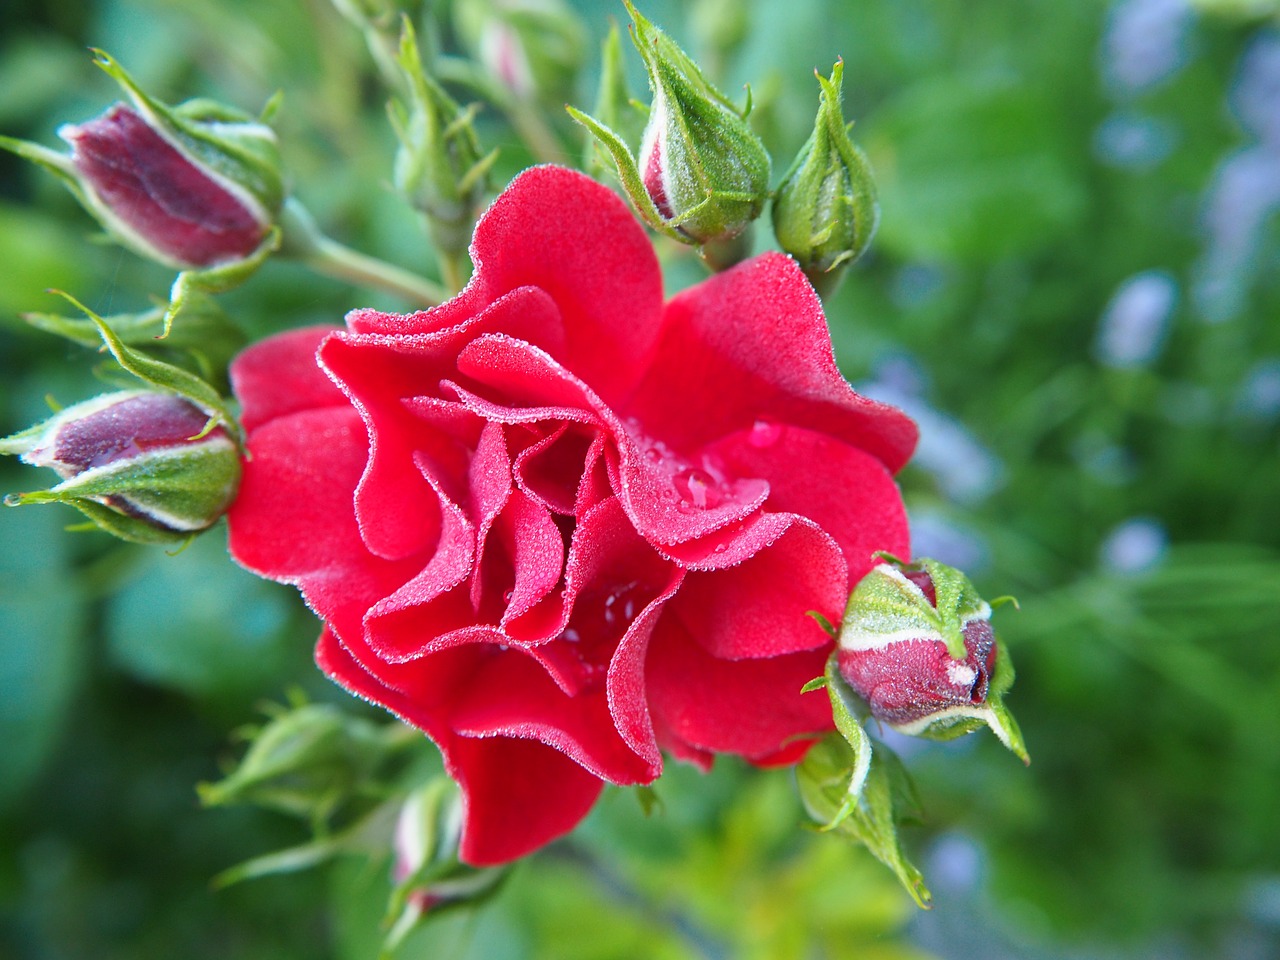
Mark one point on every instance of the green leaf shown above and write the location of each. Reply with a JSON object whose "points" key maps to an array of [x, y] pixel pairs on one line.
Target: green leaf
{"points": [[873, 822], [164, 376]]}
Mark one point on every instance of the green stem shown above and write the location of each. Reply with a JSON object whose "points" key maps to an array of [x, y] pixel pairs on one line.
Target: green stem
{"points": [[526, 116], [342, 263], [303, 241], [451, 271]]}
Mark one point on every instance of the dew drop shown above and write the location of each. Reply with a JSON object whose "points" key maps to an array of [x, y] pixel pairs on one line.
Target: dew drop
{"points": [[720, 548], [571, 635], [697, 489], [764, 433]]}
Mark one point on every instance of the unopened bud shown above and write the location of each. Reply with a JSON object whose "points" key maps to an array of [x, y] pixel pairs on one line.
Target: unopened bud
{"points": [[192, 186], [702, 175], [142, 465], [916, 643], [439, 168], [825, 212], [532, 48], [427, 873]]}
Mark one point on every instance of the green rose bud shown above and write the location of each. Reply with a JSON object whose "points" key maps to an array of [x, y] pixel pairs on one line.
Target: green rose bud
{"points": [[825, 212], [196, 186], [916, 644], [428, 875], [702, 175], [142, 465], [439, 169], [532, 48]]}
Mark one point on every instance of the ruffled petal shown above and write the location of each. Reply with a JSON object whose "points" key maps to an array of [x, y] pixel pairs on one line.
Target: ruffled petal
{"points": [[752, 343], [845, 491], [749, 707], [293, 519], [759, 607], [279, 376], [573, 238], [518, 794]]}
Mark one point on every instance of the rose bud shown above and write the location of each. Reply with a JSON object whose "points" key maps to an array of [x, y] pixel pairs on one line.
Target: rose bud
{"points": [[702, 175], [532, 48], [439, 169], [142, 465], [192, 186], [427, 873], [825, 212], [916, 643]]}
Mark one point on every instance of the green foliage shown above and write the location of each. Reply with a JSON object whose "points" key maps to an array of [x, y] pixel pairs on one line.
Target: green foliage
{"points": [[1010, 219]]}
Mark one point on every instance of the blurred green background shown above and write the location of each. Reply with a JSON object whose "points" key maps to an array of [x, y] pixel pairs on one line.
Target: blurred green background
{"points": [[1075, 290]]}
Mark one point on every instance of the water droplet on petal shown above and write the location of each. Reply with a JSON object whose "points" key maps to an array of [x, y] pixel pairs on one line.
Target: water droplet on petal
{"points": [[698, 489], [764, 433], [653, 455]]}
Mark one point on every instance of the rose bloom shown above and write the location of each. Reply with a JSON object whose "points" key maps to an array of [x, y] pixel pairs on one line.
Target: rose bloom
{"points": [[561, 526]]}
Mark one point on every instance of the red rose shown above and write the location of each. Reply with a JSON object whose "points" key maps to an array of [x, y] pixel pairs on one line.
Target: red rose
{"points": [[560, 525]]}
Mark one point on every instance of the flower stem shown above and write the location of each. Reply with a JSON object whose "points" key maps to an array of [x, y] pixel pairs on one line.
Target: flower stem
{"points": [[303, 241], [452, 271]]}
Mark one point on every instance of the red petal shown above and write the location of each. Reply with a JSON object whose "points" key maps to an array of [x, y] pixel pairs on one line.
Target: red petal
{"points": [[758, 608], [749, 707], [562, 232], [847, 492], [752, 342], [433, 603], [518, 794], [279, 375], [293, 519]]}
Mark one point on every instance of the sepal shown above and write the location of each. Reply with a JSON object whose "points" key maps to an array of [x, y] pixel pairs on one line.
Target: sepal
{"points": [[439, 168], [825, 211]]}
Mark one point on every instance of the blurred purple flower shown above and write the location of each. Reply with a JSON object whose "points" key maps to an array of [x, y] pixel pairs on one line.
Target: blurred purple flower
{"points": [[1136, 320], [1145, 43]]}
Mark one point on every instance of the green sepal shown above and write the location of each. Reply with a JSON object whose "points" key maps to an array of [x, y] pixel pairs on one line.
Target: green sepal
{"points": [[615, 107], [125, 527], [648, 799], [206, 332], [164, 376], [311, 760], [886, 603], [825, 211], [231, 144], [629, 174], [885, 800], [435, 813], [189, 285], [59, 164], [370, 835], [439, 167], [160, 484]]}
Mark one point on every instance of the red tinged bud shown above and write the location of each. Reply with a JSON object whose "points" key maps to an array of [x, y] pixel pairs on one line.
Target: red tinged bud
{"points": [[156, 193], [917, 645], [145, 459]]}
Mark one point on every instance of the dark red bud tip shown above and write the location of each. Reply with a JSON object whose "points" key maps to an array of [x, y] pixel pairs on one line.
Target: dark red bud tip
{"points": [[923, 580], [910, 680], [653, 182], [122, 431], [171, 204]]}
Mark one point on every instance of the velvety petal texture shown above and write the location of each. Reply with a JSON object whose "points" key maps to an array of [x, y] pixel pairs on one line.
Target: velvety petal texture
{"points": [[561, 527]]}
